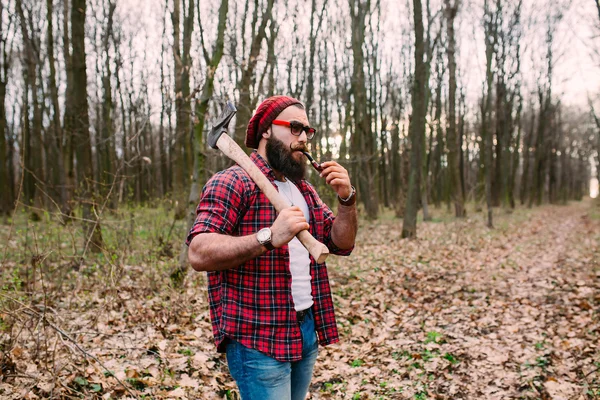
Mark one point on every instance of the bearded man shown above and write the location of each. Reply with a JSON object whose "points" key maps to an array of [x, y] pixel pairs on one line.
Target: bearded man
{"points": [[270, 301]]}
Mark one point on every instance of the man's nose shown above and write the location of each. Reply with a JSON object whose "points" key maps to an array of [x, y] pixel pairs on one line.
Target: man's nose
{"points": [[303, 138]]}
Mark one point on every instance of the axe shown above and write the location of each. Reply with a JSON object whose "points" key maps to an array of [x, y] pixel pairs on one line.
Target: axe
{"points": [[218, 138]]}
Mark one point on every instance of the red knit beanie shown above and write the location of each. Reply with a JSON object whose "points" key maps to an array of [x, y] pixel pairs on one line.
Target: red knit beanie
{"points": [[266, 112]]}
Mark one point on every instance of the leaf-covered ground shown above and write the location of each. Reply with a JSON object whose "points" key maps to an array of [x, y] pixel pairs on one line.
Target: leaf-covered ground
{"points": [[463, 312]]}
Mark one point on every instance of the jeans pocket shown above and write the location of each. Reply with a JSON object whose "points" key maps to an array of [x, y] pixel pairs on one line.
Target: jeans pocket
{"points": [[309, 334], [251, 367]]}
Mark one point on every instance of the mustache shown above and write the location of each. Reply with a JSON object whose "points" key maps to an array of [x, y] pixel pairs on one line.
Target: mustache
{"points": [[300, 147]]}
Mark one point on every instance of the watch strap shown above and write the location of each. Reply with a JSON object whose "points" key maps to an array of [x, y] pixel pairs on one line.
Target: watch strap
{"points": [[350, 200]]}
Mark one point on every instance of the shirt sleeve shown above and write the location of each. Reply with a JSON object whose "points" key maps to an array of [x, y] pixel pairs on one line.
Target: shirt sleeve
{"points": [[219, 207]]}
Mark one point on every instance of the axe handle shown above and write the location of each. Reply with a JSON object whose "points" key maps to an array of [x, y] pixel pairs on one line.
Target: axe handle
{"points": [[232, 150]]}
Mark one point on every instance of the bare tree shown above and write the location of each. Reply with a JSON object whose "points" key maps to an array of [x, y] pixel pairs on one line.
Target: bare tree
{"points": [[182, 62], [597, 122], [316, 21], [247, 101], [417, 125], [68, 116], [456, 192], [491, 37], [7, 198], [212, 63], [81, 126], [55, 162], [105, 146], [362, 145], [542, 147], [32, 129]]}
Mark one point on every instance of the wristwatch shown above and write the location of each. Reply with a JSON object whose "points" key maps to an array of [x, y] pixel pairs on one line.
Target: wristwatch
{"points": [[350, 200], [264, 237]]}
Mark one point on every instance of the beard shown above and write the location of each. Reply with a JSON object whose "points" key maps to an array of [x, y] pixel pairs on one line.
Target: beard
{"points": [[281, 159]]}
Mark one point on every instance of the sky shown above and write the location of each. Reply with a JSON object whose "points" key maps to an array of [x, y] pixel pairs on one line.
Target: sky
{"points": [[576, 75]]}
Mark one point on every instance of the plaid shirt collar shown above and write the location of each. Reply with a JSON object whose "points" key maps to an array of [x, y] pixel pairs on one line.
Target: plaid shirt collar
{"points": [[263, 165]]}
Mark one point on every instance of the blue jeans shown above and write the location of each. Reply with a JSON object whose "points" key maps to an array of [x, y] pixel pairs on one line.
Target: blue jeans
{"points": [[260, 377]]}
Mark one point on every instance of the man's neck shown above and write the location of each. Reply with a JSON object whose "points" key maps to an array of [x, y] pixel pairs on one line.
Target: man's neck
{"points": [[279, 176]]}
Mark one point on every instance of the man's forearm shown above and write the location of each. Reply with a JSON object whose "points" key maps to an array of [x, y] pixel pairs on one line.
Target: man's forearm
{"points": [[216, 252], [345, 226]]}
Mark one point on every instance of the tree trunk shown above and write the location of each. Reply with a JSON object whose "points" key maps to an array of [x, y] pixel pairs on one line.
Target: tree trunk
{"points": [[314, 30], [6, 198], [539, 164], [212, 63], [32, 140], [81, 134], [105, 146], [247, 102], [597, 121], [515, 157], [439, 147], [56, 167], [362, 141], [67, 143], [487, 134], [416, 127], [183, 64], [454, 162], [162, 148]]}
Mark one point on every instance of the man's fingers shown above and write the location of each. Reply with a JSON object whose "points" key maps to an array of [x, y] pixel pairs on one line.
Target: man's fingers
{"points": [[335, 175]]}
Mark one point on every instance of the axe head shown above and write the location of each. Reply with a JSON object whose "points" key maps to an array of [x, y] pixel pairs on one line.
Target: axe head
{"points": [[221, 124]]}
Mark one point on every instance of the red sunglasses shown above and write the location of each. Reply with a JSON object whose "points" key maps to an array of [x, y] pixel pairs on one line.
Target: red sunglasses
{"points": [[297, 128]]}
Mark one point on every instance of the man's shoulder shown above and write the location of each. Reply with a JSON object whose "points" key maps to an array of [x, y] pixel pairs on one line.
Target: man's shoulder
{"points": [[234, 175]]}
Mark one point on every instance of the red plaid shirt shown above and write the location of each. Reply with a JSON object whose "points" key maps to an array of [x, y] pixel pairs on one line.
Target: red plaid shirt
{"points": [[253, 303]]}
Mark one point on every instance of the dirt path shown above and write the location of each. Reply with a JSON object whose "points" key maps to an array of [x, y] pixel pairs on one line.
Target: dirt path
{"points": [[511, 313]]}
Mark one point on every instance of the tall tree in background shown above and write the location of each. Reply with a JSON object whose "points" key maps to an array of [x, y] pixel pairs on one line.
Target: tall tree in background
{"points": [[453, 140], [69, 114], [416, 126], [316, 22], [540, 163], [105, 147], [6, 200], [81, 126], [247, 100], [32, 129], [597, 130], [54, 162], [212, 63], [181, 156], [362, 141], [597, 119], [486, 149]]}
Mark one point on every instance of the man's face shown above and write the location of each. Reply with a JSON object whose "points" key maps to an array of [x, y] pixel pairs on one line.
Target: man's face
{"points": [[284, 149]]}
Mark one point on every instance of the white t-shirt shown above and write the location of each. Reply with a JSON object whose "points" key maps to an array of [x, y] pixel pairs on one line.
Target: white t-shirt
{"points": [[299, 256]]}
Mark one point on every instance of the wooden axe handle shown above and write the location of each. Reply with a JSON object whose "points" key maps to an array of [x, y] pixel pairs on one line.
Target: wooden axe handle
{"points": [[231, 149]]}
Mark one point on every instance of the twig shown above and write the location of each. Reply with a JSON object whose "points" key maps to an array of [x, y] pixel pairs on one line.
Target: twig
{"points": [[10, 231], [64, 334]]}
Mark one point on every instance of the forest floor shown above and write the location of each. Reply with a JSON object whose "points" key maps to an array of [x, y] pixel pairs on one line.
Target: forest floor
{"points": [[463, 312]]}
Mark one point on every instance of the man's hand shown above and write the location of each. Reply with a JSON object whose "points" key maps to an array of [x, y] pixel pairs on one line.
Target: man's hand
{"points": [[287, 225], [337, 177]]}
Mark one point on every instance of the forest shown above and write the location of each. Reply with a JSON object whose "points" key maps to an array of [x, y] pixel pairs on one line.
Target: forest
{"points": [[470, 129]]}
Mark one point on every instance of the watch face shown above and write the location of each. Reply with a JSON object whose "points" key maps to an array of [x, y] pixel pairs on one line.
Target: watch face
{"points": [[264, 235]]}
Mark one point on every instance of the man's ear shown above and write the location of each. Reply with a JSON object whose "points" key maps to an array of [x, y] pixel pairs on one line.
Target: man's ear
{"points": [[266, 134]]}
